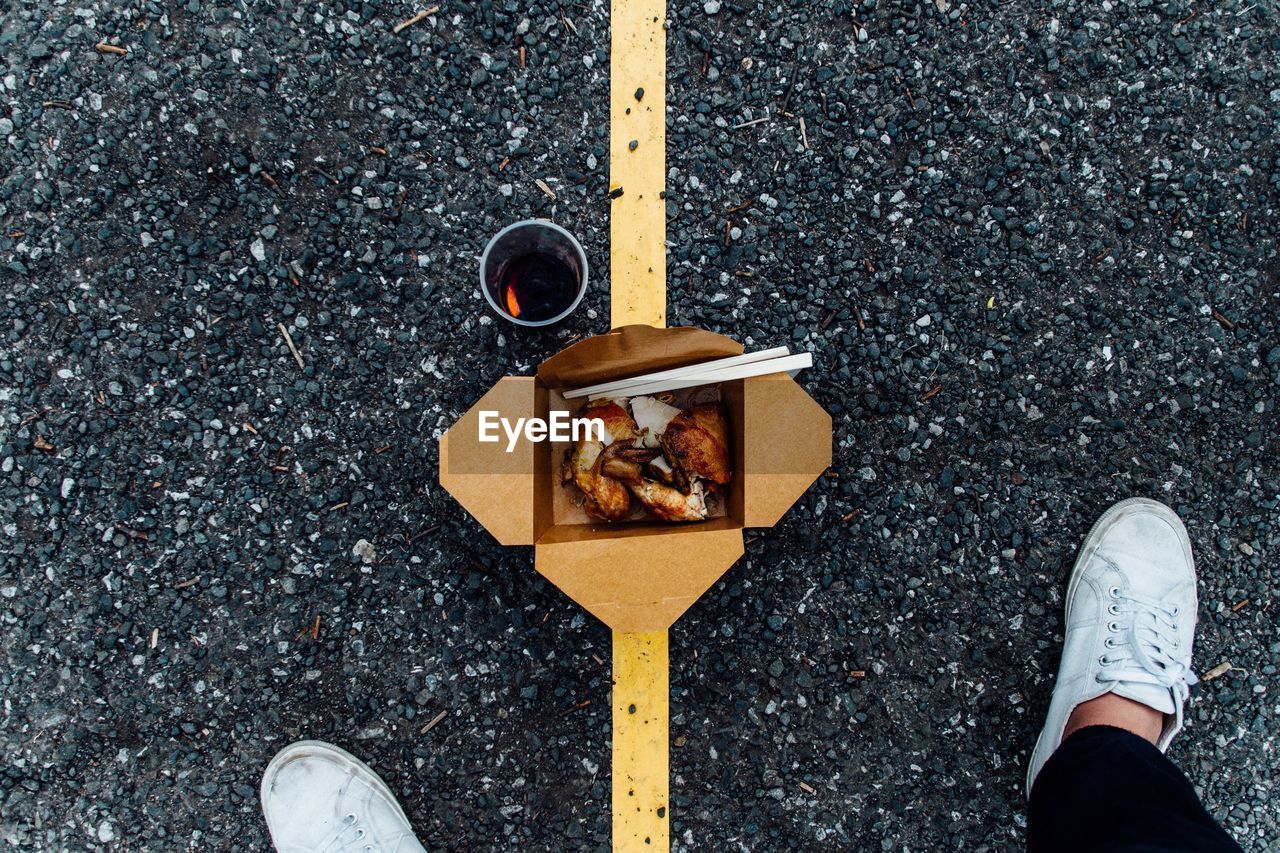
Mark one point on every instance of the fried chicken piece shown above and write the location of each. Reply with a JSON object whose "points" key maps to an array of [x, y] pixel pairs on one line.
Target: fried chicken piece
{"points": [[605, 497], [618, 425], [628, 465], [697, 444], [668, 503], [625, 463], [613, 471]]}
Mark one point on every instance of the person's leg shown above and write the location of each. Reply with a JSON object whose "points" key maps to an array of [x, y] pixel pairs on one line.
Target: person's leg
{"points": [[1106, 788], [316, 796], [1098, 778]]}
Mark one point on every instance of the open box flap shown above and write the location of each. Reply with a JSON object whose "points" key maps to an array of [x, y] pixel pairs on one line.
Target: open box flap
{"points": [[787, 439], [631, 351], [494, 486], [642, 581]]}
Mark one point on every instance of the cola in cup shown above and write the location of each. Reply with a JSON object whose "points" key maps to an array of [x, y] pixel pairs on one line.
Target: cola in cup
{"points": [[533, 273]]}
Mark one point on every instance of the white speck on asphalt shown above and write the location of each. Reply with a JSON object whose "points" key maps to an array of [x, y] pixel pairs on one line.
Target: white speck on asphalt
{"points": [[365, 551]]}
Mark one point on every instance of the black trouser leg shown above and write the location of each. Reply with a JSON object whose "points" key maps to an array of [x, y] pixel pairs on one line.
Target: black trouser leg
{"points": [[1105, 789]]}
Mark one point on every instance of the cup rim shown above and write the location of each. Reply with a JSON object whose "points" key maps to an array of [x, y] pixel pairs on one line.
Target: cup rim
{"points": [[541, 223]]}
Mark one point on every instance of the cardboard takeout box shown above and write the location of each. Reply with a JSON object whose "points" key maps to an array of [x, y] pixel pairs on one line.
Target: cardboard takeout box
{"points": [[635, 576]]}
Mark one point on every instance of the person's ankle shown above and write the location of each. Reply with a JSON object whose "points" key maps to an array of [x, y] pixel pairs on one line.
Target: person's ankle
{"points": [[1118, 712]]}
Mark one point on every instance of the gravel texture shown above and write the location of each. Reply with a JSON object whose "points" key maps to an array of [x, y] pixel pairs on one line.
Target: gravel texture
{"points": [[1033, 247]]}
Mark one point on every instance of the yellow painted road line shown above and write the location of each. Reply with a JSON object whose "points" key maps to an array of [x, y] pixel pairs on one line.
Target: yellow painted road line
{"points": [[638, 294], [638, 162], [641, 769]]}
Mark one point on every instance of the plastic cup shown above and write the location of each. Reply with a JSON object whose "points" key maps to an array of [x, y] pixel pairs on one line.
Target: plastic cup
{"points": [[539, 263]]}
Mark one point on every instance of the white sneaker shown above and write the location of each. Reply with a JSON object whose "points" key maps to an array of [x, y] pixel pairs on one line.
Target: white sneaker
{"points": [[317, 797], [1130, 621]]}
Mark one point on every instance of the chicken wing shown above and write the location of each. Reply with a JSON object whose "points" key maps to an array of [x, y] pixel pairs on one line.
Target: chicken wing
{"points": [[618, 425], [605, 497], [697, 444], [625, 463], [670, 504]]}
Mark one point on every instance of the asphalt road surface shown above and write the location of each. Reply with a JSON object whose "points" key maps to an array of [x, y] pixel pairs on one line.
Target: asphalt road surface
{"points": [[1032, 246]]}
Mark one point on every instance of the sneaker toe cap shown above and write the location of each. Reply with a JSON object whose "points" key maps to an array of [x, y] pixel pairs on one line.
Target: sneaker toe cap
{"points": [[1154, 545], [294, 800]]}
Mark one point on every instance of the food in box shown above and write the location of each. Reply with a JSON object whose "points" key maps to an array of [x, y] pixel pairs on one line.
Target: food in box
{"points": [[639, 574]]}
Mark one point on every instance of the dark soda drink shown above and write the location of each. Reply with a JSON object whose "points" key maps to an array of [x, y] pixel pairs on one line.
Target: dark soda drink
{"points": [[533, 273], [537, 286]]}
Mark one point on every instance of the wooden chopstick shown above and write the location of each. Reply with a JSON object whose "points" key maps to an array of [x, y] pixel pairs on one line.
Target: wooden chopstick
{"points": [[785, 364], [613, 388]]}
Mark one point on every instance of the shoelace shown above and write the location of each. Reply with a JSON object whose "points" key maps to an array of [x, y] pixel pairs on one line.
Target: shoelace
{"points": [[350, 834], [1151, 653]]}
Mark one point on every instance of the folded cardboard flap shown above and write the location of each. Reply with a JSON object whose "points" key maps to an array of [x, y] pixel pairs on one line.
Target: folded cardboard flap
{"points": [[641, 583], [632, 351], [786, 440], [495, 486]]}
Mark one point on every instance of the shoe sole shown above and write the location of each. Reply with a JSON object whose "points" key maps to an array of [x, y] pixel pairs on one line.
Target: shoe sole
{"points": [[1090, 546], [298, 749]]}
